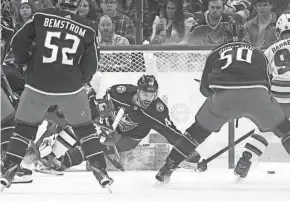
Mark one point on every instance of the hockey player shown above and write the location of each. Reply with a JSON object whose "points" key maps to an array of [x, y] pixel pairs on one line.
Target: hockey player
{"points": [[64, 58], [279, 67], [143, 111], [236, 83]]}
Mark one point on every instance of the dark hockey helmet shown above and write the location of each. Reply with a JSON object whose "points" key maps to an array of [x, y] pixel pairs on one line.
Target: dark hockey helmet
{"points": [[234, 32], [148, 83], [69, 4]]}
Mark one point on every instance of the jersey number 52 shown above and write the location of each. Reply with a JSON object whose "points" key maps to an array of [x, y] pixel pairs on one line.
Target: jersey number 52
{"points": [[236, 54], [65, 50]]}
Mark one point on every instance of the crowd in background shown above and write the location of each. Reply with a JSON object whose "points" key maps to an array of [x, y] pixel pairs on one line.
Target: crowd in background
{"points": [[193, 22]]}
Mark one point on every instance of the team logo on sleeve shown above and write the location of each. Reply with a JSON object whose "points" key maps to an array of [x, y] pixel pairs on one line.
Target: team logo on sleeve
{"points": [[159, 107], [121, 89]]}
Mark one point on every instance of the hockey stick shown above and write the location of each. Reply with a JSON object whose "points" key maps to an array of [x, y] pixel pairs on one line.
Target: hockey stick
{"points": [[203, 164], [117, 163], [14, 100]]}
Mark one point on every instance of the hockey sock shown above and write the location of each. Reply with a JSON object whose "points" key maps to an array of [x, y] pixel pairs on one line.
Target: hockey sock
{"points": [[6, 132], [90, 142], [256, 146], [283, 132], [63, 142], [73, 157], [283, 129], [193, 136], [19, 142], [99, 160]]}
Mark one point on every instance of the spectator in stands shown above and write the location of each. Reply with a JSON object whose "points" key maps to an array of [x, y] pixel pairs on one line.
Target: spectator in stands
{"points": [[86, 10], [278, 7], [123, 24], [260, 31], [107, 34], [192, 8], [209, 29], [170, 29], [128, 8], [25, 12]]}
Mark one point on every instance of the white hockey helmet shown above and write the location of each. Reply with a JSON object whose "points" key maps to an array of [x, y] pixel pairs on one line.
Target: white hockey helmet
{"points": [[283, 23]]}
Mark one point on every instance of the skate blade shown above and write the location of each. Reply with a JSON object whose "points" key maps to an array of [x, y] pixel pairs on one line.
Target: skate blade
{"points": [[159, 184], [50, 172], [22, 180], [109, 188], [2, 188], [238, 179]]}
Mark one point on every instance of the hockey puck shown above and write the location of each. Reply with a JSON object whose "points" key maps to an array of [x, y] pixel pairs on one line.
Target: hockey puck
{"points": [[271, 172]]}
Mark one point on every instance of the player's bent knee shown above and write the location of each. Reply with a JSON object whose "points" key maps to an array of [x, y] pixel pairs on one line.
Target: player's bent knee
{"points": [[256, 146]]}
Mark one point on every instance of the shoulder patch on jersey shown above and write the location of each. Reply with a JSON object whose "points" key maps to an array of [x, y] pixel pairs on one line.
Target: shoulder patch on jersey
{"points": [[159, 107], [121, 89]]}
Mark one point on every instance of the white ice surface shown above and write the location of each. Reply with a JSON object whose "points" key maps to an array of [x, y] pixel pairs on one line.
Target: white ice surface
{"points": [[217, 184]]}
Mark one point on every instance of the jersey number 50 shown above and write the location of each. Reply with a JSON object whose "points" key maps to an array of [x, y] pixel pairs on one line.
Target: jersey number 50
{"points": [[236, 54], [65, 50]]}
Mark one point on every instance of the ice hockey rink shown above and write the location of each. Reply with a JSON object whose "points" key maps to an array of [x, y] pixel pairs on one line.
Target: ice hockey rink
{"points": [[217, 184]]}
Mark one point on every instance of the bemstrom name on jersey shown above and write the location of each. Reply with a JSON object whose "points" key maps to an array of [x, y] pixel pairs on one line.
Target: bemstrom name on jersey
{"points": [[63, 24]]}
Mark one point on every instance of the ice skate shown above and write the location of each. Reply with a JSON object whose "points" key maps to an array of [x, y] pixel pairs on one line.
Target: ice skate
{"points": [[22, 176], [243, 165], [102, 176], [50, 165], [7, 174], [165, 172]]}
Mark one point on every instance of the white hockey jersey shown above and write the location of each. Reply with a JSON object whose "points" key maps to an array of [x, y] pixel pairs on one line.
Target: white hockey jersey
{"points": [[279, 66]]}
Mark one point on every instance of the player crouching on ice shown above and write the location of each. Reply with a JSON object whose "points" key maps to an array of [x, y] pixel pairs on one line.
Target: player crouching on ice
{"points": [[236, 83], [143, 111]]}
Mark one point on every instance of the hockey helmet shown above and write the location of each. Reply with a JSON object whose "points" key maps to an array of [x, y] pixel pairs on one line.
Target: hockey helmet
{"points": [[148, 83], [283, 23], [69, 4], [234, 32]]}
